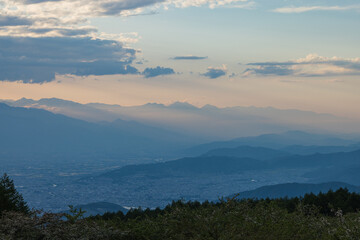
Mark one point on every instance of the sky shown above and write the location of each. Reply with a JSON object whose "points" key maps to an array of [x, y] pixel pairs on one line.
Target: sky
{"points": [[288, 54]]}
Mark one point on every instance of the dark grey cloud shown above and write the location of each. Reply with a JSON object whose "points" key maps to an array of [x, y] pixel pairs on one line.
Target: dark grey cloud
{"points": [[158, 71], [38, 60], [273, 64], [278, 70], [14, 21], [215, 72], [36, 1], [189, 58], [64, 32]]}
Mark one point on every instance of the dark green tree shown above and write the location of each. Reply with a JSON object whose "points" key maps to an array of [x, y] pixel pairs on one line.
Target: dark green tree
{"points": [[10, 198]]}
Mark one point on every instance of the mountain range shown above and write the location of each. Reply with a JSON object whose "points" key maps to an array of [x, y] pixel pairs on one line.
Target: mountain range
{"points": [[337, 166], [208, 122], [133, 161], [296, 142], [220, 161], [28, 131]]}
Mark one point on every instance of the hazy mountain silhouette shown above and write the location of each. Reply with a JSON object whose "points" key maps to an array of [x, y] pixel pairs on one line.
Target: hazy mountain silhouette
{"points": [[349, 174], [259, 153], [187, 167], [218, 165], [68, 108], [25, 131], [276, 141], [263, 153], [207, 122], [338, 160], [308, 150]]}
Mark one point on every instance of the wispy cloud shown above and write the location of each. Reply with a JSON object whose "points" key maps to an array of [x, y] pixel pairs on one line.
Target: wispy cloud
{"points": [[189, 57], [303, 9], [245, 5], [200, 3], [312, 65]]}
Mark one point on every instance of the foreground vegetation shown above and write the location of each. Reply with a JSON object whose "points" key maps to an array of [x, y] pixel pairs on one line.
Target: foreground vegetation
{"points": [[333, 215]]}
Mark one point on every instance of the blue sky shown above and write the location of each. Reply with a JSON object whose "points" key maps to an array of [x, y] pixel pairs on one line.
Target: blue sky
{"points": [[287, 54], [232, 36]]}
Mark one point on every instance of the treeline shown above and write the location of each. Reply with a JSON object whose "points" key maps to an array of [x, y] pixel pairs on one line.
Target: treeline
{"points": [[329, 204], [331, 215], [325, 203]]}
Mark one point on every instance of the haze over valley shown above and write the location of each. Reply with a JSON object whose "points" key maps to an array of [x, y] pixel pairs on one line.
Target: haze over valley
{"points": [[112, 105], [135, 162]]}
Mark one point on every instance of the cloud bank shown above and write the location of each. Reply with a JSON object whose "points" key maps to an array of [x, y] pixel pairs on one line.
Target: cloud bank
{"points": [[312, 65], [38, 60], [303, 9]]}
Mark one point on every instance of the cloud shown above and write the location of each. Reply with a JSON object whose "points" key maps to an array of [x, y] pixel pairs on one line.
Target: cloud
{"points": [[312, 65], [314, 8], [14, 21], [190, 57], [215, 72], [44, 18], [79, 10], [116, 7], [38, 60], [248, 5], [158, 71], [36, 1], [25, 31], [64, 18], [199, 3], [278, 70], [42, 38]]}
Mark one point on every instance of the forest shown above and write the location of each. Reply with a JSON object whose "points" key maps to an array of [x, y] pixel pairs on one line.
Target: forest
{"points": [[331, 215]]}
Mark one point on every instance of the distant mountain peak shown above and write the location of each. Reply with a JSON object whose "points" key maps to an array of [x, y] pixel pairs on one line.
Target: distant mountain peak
{"points": [[296, 132], [154, 105], [182, 105], [209, 107], [58, 101], [25, 101]]}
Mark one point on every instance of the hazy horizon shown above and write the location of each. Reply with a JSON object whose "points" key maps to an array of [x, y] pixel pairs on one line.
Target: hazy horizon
{"points": [[207, 122], [167, 104]]}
